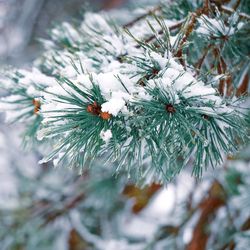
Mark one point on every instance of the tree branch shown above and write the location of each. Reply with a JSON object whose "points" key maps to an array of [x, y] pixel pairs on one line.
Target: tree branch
{"points": [[150, 12], [230, 11], [208, 207]]}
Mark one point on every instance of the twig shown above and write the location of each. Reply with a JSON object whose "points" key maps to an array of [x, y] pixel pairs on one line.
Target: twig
{"points": [[230, 11], [243, 87], [175, 26], [209, 206], [236, 5], [224, 84], [201, 60], [189, 29], [142, 17], [66, 208]]}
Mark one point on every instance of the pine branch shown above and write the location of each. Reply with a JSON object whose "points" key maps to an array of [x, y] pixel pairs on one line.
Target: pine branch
{"points": [[150, 12], [189, 27], [111, 91], [237, 4], [243, 86], [173, 27], [199, 63], [230, 11]]}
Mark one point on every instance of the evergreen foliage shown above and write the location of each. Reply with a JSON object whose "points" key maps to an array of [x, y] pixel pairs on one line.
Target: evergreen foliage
{"points": [[141, 101], [149, 96]]}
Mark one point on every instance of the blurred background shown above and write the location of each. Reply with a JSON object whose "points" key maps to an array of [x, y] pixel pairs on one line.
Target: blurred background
{"points": [[42, 208], [22, 22]]}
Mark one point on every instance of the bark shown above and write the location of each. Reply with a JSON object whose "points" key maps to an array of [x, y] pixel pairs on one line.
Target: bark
{"points": [[208, 207]]}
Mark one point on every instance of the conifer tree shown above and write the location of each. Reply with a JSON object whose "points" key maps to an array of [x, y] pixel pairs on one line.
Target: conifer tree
{"points": [[133, 105]]}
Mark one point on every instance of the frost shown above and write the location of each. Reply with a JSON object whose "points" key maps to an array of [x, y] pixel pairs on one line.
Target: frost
{"points": [[108, 82], [83, 80], [12, 99], [71, 31], [121, 95], [95, 22], [184, 80], [58, 158], [172, 73], [162, 62], [215, 27], [113, 106], [41, 134], [99, 68], [32, 91], [69, 72], [173, 40], [35, 76], [106, 135], [199, 90], [175, 65], [55, 90]]}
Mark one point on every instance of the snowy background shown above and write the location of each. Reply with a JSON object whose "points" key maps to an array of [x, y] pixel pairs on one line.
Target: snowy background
{"points": [[21, 23]]}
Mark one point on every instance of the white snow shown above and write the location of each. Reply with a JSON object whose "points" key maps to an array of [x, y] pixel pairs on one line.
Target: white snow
{"points": [[162, 62], [108, 82], [215, 27], [172, 73], [35, 76], [106, 135], [113, 106]]}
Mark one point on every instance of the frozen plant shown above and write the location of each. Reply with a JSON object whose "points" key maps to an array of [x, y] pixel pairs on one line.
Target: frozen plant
{"points": [[150, 96]]}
